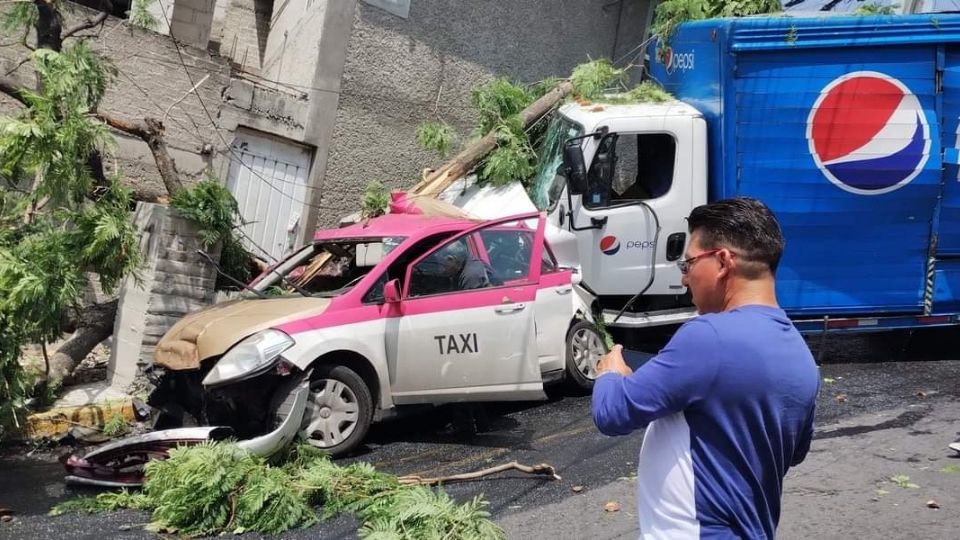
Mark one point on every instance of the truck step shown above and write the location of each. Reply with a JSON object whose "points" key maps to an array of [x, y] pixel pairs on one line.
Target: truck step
{"points": [[648, 319]]}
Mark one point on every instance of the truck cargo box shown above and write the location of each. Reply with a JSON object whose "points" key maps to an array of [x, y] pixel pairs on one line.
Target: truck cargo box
{"points": [[847, 128]]}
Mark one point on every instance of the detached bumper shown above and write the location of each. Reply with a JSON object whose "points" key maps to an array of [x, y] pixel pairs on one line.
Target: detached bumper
{"points": [[120, 463]]}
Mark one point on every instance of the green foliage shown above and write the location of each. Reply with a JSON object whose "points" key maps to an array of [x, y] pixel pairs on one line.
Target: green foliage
{"points": [[215, 212], [115, 426], [876, 8], [902, 480], [139, 15], [21, 17], [217, 488], [497, 101], [105, 238], [593, 79], [672, 13], [648, 92], [435, 136], [14, 383], [513, 159], [52, 138], [102, 502], [375, 200], [422, 513], [211, 206], [57, 221]]}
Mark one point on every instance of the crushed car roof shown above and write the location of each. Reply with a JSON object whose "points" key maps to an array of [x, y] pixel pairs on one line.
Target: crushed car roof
{"points": [[396, 225]]}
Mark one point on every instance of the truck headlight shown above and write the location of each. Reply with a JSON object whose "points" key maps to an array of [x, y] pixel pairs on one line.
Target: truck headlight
{"points": [[249, 357]]}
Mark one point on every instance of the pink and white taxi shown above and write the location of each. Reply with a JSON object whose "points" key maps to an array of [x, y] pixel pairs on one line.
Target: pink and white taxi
{"points": [[404, 309]]}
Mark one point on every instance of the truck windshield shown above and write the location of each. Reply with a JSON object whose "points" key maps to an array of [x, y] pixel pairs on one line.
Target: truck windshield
{"points": [[548, 183], [328, 268]]}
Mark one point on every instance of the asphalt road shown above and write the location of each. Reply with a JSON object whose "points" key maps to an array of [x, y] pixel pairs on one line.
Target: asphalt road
{"points": [[895, 418]]}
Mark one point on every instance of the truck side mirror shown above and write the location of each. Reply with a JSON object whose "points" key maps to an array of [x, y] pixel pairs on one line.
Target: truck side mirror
{"points": [[574, 168], [391, 291]]}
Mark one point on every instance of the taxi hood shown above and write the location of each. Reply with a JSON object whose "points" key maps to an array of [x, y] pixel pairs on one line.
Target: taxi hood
{"points": [[212, 331]]}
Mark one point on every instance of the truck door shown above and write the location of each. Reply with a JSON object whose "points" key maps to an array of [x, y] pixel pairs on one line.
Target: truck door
{"points": [[460, 338], [642, 176]]}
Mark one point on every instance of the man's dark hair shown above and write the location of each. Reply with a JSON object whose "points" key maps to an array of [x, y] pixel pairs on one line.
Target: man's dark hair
{"points": [[744, 225]]}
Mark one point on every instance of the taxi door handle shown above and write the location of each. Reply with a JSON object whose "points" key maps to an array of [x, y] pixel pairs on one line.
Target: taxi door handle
{"points": [[510, 309], [563, 290]]}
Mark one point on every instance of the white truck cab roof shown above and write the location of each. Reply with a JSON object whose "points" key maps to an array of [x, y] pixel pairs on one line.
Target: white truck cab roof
{"points": [[598, 113]]}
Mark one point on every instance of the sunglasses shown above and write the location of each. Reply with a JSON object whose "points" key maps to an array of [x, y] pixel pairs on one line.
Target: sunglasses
{"points": [[685, 264]]}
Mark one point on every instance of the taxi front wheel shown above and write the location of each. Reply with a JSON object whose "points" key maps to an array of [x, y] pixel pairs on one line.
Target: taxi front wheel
{"points": [[585, 346], [339, 409]]}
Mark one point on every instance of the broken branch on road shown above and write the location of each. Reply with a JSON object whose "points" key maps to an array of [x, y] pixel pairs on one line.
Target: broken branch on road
{"points": [[541, 469]]}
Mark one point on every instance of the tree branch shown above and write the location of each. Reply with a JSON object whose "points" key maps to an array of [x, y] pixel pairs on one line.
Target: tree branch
{"points": [[13, 89], [542, 469], [150, 130], [89, 23]]}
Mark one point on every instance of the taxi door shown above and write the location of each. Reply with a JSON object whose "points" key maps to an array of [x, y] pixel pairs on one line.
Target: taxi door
{"points": [[455, 343]]}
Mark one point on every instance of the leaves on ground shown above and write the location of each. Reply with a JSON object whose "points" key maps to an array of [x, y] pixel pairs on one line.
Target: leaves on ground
{"points": [[612, 506], [902, 480], [215, 488]]}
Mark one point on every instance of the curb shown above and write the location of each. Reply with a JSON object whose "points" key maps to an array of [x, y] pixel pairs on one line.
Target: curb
{"points": [[56, 422]]}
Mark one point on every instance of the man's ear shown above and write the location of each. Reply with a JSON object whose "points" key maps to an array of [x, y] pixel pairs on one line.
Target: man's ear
{"points": [[728, 262]]}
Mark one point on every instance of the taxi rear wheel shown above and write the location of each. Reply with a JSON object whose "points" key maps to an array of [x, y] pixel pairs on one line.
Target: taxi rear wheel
{"points": [[339, 410], [585, 346]]}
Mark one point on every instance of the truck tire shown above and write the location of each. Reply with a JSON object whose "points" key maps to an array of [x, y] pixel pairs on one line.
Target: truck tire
{"points": [[585, 346], [339, 409]]}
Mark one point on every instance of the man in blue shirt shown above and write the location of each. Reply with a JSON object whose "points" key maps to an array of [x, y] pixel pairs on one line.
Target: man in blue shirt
{"points": [[728, 404]]}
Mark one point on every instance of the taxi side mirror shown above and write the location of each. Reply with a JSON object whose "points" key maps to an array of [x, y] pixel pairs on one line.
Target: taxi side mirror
{"points": [[391, 291]]}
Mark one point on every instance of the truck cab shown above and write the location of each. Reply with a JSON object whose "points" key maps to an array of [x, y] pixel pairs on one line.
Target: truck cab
{"points": [[645, 169]]}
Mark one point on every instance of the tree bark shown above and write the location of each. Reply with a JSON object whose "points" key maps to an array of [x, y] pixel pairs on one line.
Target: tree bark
{"points": [[49, 25], [466, 160], [150, 130], [94, 325]]}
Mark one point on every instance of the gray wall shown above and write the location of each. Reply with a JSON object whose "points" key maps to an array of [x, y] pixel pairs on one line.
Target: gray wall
{"points": [[395, 69]]}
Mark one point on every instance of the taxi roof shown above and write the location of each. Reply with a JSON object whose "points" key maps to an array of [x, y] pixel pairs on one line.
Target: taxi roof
{"points": [[406, 225]]}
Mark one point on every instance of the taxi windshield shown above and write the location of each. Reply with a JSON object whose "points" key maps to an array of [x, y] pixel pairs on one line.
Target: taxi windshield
{"points": [[327, 268]]}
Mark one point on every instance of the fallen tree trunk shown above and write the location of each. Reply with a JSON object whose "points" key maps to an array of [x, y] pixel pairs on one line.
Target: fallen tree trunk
{"points": [[94, 325], [466, 160]]}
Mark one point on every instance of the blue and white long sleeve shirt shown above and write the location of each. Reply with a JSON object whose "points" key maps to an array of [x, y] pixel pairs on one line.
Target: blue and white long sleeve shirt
{"points": [[728, 407]]}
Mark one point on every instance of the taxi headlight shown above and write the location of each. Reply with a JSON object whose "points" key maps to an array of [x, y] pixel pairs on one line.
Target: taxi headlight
{"points": [[251, 356]]}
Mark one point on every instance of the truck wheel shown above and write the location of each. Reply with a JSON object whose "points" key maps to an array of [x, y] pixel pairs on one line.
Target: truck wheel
{"points": [[339, 409], [585, 346]]}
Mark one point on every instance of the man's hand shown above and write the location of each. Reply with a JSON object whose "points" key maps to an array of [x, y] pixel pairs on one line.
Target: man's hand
{"points": [[613, 361]]}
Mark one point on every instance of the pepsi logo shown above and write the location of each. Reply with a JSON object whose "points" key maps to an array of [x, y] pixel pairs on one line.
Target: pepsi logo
{"points": [[673, 61], [609, 245], [868, 134]]}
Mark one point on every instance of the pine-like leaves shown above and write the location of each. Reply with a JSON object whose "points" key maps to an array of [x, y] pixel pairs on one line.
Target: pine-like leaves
{"points": [[216, 487]]}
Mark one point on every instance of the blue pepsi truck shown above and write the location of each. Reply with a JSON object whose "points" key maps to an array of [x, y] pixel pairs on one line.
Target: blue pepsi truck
{"points": [[845, 126]]}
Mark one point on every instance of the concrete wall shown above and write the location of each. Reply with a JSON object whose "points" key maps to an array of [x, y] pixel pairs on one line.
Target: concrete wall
{"points": [[175, 281], [192, 21], [397, 70], [246, 27], [293, 47]]}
